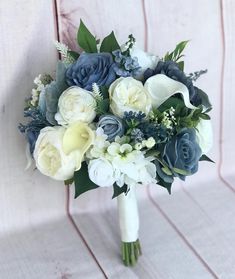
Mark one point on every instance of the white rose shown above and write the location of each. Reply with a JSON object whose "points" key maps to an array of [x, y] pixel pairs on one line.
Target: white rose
{"points": [[49, 156], [128, 94], [145, 60], [101, 172], [204, 135], [160, 88], [75, 104]]}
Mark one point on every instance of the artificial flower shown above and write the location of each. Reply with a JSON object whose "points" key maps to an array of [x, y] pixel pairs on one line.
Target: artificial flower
{"points": [[75, 104], [182, 153], [101, 172], [112, 126], [91, 68], [128, 94], [160, 88], [204, 135], [49, 156]]}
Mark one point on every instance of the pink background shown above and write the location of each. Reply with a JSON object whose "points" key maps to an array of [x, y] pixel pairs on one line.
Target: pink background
{"points": [[44, 233]]}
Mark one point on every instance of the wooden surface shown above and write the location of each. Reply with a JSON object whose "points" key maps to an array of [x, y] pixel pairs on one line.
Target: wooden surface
{"points": [[44, 233]]}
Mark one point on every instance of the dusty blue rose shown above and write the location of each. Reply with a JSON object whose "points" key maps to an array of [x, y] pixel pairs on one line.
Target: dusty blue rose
{"points": [[91, 68], [112, 126], [183, 153]]}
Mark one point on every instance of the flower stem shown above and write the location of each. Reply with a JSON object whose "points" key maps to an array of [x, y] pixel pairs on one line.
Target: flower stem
{"points": [[131, 252]]}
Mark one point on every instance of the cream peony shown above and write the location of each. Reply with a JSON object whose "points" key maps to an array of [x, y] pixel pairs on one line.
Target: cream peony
{"points": [[49, 156], [59, 152], [101, 172], [204, 135], [128, 94], [75, 104]]}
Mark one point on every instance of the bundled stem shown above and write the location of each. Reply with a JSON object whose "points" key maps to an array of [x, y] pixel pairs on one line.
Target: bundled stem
{"points": [[131, 252]]}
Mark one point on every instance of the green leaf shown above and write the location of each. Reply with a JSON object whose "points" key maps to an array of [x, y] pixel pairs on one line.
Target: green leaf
{"points": [[119, 190], [73, 54], [82, 181], [109, 43], [205, 116], [104, 91], [85, 39], [181, 65], [204, 97], [166, 170], [171, 102], [205, 158], [175, 55], [69, 181], [165, 185], [182, 172]]}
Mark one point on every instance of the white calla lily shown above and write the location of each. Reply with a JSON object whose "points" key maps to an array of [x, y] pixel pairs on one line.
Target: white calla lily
{"points": [[160, 88]]}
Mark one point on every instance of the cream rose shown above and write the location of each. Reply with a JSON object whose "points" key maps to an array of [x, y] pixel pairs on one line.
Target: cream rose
{"points": [[75, 104], [128, 94], [101, 172]]}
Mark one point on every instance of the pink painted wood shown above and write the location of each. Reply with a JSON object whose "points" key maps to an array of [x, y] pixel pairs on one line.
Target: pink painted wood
{"points": [[44, 233]]}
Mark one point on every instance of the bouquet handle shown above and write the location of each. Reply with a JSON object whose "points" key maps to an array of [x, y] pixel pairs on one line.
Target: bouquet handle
{"points": [[129, 226]]}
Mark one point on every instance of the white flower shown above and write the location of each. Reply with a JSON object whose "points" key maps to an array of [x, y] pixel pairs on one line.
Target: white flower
{"points": [[49, 156], [161, 87], [204, 135], [128, 94], [150, 142], [145, 60], [101, 172], [75, 104], [147, 173]]}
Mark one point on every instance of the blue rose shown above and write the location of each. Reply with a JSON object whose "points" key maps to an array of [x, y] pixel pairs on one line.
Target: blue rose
{"points": [[172, 70], [112, 126], [182, 153], [91, 68]]}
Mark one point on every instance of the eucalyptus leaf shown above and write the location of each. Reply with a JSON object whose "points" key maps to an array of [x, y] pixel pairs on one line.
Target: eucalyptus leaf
{"points": [[82, 181], [85, 39], [53, 92]]}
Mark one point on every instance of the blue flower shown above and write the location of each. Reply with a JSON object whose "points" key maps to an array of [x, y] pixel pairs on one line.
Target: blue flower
{"points": [[112, 126], [125, 65], [91, 68], [182, 153], [172, 70]]}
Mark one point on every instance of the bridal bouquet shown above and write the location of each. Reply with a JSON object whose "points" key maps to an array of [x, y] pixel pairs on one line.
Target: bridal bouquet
{"points": [[116, 116]]}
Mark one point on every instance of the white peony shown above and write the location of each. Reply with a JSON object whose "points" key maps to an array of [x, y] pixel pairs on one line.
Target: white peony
{"points": [[101, 172], [75, 104], [161, 87], [128, 94], [204, 135], [145, 60], [49, 155]]}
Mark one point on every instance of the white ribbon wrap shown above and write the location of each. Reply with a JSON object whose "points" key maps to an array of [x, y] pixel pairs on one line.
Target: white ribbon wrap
{"points": [[128, 216]]}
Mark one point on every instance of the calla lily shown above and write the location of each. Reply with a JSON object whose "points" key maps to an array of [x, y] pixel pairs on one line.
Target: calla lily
{"points": [[161, 87], [77, 137]]}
